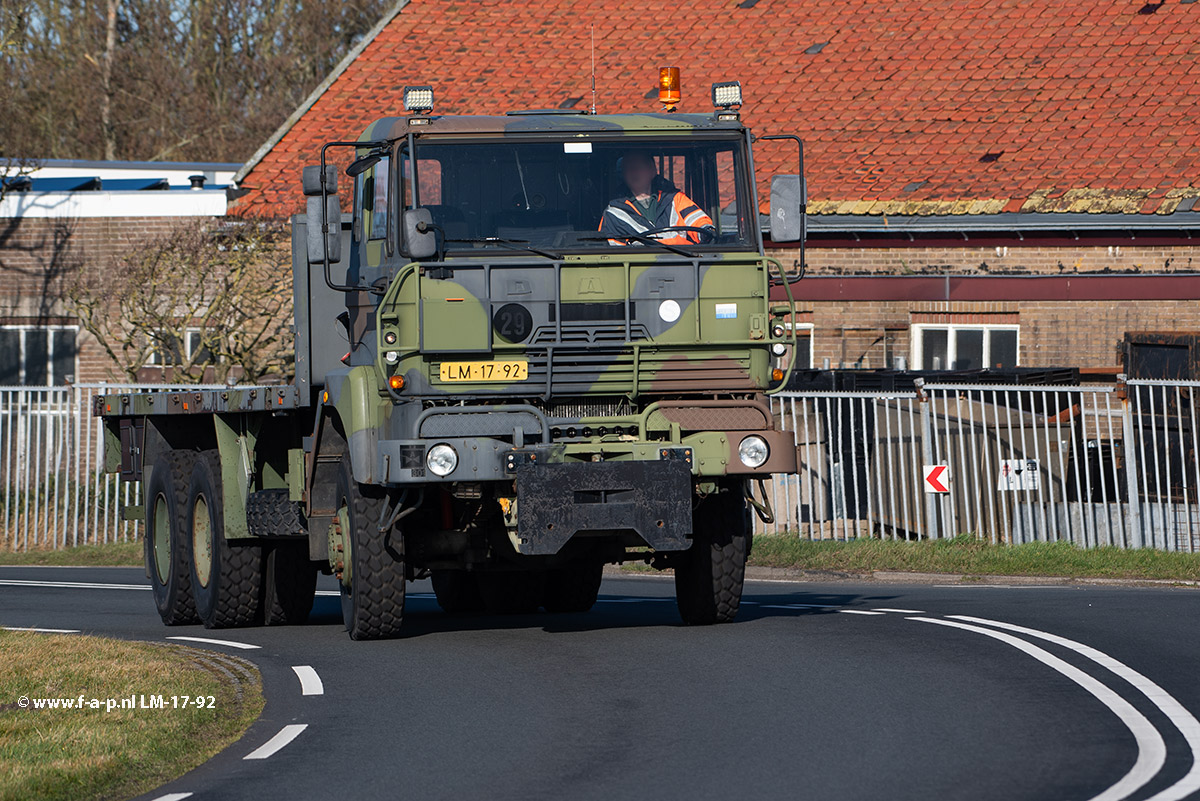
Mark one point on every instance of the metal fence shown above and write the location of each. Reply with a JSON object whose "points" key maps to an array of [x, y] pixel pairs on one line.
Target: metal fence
{"points": [[53, 488], [1092, 465]]}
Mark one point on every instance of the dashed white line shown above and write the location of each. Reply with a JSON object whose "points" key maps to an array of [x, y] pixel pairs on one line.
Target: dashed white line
{"points": [[857, 612], [900, 611], [77, 585], [270, 747], [310, 682], [40, 631], [174, 797], [1152, 751], [243, 645], [1175, 711]]}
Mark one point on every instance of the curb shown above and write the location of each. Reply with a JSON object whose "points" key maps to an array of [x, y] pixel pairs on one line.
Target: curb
{"points": [[792, 574]]}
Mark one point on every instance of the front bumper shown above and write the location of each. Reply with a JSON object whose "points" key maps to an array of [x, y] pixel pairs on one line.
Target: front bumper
{"points": [[557, 501]]}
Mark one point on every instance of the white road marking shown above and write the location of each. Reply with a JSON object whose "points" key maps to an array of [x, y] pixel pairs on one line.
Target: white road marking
{"points": [[1175, 711], [40, 631], [900, 611], [329, 593], [243, 645], [76, 585], [174, 797], [1152, 751], [282, 738], [310, 682], [857, 612]]}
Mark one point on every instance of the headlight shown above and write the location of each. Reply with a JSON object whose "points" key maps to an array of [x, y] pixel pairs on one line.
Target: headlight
{"points": [[753, 451], [779, 349], [442, 459]]}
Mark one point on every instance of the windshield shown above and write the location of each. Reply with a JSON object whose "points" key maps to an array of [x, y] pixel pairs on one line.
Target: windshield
{"points": [[580, 195]]}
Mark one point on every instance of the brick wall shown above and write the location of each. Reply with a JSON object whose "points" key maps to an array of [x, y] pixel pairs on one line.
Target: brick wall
{"points": [[1052, 333], [38, 254]]}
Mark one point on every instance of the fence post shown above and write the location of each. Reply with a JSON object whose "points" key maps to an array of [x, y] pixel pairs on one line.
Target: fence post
{"points": [[931, 502], [1131, 463]]}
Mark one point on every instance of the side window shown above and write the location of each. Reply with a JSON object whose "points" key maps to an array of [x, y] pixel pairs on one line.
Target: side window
{"points": [[376, 194], [727, 194]]}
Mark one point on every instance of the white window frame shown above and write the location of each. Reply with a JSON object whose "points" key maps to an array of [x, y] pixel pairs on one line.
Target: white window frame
{"points": [[22, 329], [918, 336], [775, 360], [156, 358]]}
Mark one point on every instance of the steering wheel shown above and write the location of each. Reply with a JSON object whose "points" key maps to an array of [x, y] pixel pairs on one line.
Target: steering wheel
{"points": [[708, 235]]}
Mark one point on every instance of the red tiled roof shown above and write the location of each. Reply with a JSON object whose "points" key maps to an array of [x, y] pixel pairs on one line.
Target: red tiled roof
{"points": [[910, 107]]}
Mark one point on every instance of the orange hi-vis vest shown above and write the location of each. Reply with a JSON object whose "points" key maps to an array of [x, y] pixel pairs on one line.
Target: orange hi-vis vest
{"points": [[624, 217]]}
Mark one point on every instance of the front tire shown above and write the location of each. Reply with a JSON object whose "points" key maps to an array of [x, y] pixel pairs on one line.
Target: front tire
{"points": [[226, 577], [457, 591], [373, 601], [167, 543], [573, 589], [709, 575], [516, 592], [290, 583]]}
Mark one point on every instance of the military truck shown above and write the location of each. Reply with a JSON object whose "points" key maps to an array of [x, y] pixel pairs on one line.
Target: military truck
{"points": [[490, 391]]}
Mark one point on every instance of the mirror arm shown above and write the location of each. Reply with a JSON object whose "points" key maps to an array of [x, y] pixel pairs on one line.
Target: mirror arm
{"points": [[325, 212], [803, 197]]}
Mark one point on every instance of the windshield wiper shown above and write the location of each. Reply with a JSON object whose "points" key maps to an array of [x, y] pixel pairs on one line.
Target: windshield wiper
{"points": [[645, 240], [511, 244]]}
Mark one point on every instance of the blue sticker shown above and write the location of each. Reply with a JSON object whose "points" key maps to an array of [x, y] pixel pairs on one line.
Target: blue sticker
{"points": [[726, 311]]}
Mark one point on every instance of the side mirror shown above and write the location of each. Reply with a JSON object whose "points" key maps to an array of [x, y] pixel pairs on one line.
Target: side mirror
{"points": [[787, 209], [363, 163], [332, 246], [420, 241], [311, 180]]}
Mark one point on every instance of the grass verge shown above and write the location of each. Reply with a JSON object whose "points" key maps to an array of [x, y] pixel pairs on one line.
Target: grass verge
{"points": [[124, 554], [970, 556], [92, 753]]}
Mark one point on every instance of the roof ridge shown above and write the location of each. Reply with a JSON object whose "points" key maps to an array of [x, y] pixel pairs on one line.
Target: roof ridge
{"points": [[315, 95]]}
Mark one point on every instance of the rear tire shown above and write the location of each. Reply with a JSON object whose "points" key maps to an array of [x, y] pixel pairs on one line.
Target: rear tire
{"points": [[226, 577], [373, 603], [512, 593], [573, 588], [290, 584], [168, 552], [710, 574], [457, 591]]}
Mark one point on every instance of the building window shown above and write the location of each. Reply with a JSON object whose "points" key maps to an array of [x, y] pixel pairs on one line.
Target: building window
{"points": [[37, 356], [803, 349], [964, 347], [176, 350]]}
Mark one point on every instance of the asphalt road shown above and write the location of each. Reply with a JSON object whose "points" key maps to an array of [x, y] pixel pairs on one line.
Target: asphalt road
{"points": [[819, 690]]}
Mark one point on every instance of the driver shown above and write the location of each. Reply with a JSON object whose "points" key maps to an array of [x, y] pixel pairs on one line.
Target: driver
{"points": [[651, 204]]}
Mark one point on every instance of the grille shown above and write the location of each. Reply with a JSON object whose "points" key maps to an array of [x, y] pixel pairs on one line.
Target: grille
{"points": [[606, 408], [589, 334]]}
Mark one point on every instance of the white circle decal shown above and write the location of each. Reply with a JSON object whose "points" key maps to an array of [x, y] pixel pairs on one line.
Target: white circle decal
{"points": [[669, 311]]}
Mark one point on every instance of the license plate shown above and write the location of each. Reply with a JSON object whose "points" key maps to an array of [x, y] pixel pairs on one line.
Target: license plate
{"points": [[483, 371]]}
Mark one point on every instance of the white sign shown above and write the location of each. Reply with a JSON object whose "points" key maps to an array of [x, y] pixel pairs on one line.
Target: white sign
{"points": [[1017, 475], [726, 311], [937, 480]]}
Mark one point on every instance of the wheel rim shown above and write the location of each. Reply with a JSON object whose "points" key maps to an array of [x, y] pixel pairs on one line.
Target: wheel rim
{"points": [[162, 539], [202, 541]]}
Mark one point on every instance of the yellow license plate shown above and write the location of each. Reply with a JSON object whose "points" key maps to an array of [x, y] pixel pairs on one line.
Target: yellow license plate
{"points": [[484, 371]]}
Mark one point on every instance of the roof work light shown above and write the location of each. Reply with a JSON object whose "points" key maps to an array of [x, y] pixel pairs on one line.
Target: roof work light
{"points": [[668, 87], [727, 97], [418, 99], [727, 94]]}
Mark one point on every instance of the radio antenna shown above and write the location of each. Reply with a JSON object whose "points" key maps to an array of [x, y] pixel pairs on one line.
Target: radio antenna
{"points": [[593, 69]]}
